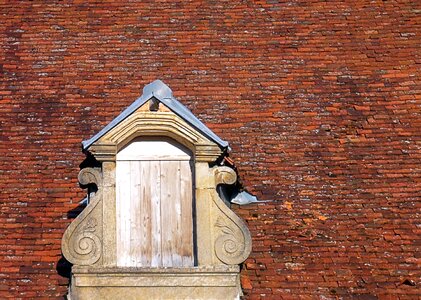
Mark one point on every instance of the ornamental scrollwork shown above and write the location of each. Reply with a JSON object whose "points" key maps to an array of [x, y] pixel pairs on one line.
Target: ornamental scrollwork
{"points": [[81, 243], [89, 176], [233, 244], [224, 175], [86, 245], [230, 246]]}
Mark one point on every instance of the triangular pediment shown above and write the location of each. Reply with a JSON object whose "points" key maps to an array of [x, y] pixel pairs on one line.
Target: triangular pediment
{"points": [[160, 92]]}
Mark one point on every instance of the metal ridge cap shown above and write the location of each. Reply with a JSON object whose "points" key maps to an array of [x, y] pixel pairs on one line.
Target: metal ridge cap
{"points": [[164, 94], [191, 119], [124, 114]]}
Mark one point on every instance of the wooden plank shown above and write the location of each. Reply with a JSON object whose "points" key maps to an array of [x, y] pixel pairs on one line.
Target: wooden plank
{"points": [[166, 223], [186, 191], [168, 211], [145, 249], [175, 186], [135, 222], [144, 149], [155, 187], [152, 158], [123, 209]]}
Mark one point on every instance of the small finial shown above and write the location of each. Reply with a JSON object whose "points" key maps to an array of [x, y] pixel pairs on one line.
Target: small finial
{"points": [[158, 89]]}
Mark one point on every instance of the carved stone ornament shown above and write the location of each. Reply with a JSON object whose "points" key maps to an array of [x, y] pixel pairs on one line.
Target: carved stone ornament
{"points": [[233, 244], [82, 241], [92, 242]]}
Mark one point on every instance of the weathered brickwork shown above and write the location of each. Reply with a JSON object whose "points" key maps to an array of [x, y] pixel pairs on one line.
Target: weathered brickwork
{"points": [[320, 101]]}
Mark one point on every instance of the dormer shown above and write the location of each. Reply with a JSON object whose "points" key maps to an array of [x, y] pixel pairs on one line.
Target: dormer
{"points": [[155, 226]]}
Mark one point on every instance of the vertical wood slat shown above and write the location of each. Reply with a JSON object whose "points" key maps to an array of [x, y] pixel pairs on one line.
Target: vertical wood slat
{"points": [[167, 211], [186, 248], [123, 210], [176, 215], [135, 224], [145, 249], [155, 185], [176, 254]]}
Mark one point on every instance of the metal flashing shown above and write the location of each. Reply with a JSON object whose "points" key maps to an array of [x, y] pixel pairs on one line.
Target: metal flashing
{"points": [[164, 94]]}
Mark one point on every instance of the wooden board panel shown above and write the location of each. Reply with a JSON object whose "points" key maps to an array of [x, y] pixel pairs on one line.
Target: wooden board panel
{"points": [[186, 248], [145, 249], [154, 213], [146, 149], [168, 207], [123, 209], [155, 185]]}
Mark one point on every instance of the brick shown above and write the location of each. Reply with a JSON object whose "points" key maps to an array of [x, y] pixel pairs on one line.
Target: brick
{"points": [[319, 101]]}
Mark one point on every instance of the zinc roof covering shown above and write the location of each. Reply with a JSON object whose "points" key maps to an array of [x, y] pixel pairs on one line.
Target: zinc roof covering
{"points": [[162, 93]]}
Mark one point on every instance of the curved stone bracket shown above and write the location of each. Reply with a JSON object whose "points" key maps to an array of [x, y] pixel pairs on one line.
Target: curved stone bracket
{"points": [[233, 242], [81, 243]]}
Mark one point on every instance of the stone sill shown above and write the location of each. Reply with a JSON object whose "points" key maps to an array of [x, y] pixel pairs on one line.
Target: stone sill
{"points": [[208, 276], [161, 270]]}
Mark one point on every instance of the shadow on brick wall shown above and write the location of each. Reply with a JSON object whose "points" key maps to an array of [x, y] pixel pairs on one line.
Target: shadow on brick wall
{"points": [[63, 266]]}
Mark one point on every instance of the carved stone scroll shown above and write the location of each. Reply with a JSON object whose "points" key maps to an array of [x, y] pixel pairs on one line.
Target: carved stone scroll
{"points": [[233, 244], [81, 243]]}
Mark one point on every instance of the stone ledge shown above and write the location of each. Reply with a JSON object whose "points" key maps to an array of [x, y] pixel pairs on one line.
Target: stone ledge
{"points": [[209, 282], [161, 270]]}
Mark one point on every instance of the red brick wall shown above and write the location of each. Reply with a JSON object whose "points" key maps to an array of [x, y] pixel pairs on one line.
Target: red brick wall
{"points": [[319, 100]]}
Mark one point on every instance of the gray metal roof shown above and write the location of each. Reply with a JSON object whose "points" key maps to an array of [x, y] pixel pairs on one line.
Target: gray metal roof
{"points": [[163, 93]]}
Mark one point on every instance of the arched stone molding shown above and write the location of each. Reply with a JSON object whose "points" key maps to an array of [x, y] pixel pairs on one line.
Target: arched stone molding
{"points": [[155, 124]]}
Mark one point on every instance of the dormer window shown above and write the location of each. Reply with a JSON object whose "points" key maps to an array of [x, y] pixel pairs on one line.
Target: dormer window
{"points": [[156, 226]]}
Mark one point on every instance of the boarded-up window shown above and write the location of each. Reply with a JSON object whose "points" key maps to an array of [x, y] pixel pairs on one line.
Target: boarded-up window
{"points": [[154, 204]]}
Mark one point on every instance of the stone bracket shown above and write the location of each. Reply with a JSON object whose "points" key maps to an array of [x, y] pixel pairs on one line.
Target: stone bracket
{"points": [[233, 242], [82, 240]]}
